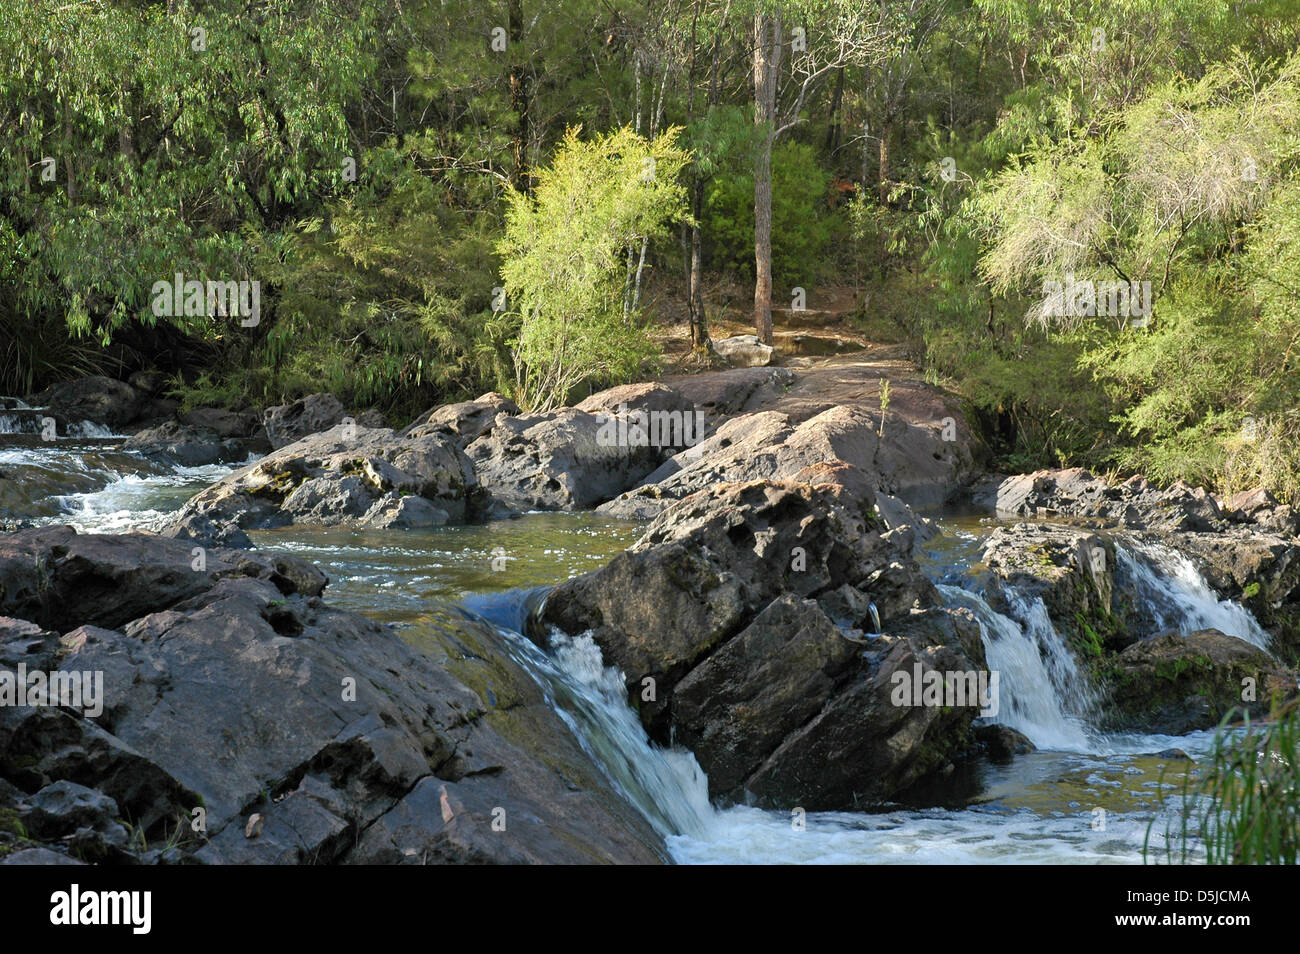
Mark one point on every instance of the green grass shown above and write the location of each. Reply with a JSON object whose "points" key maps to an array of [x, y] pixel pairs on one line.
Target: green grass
{"points": [[1242, 806]]}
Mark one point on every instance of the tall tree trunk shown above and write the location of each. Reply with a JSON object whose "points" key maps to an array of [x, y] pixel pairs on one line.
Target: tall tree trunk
{"points": [[520, 177], [694, 287], [767, 60], [837, 99], [886, 132]]}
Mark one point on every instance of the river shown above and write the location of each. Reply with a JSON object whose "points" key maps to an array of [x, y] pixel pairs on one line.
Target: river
{"points": [[1084, 797]]}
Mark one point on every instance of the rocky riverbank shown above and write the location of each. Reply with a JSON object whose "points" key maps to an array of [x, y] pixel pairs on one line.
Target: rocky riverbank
{"points": [[773, 617]]}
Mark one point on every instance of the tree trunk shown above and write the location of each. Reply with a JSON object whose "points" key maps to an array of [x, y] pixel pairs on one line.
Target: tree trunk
{"points": [[767, 59], [886, 130], [694, 286], [837, 100], [519, 177]]}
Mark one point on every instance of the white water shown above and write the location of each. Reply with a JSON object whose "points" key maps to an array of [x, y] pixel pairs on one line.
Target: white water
{"points": [[1041, 691], [671, 789], [1180, 599]]}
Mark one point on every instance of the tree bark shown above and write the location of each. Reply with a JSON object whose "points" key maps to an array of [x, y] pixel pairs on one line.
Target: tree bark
{"points": [[694, 287], [520, 177], [767, 60], [886, 131]]}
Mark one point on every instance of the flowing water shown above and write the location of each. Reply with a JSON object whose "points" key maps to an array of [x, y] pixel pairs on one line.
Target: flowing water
{"points": [[1084, 796]]}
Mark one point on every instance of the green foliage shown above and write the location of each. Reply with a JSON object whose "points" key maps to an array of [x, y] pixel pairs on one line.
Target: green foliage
{"points": [[801, 222], [567, 259], [1240, 806]]}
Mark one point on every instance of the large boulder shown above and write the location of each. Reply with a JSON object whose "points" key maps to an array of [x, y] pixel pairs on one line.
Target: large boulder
{"points": [[743, 351], [1176, 683], [99, 399], [562, 460], [911, 462], [464, 422], [349, 475], [738, 620], [243, 720], [287, 423]]}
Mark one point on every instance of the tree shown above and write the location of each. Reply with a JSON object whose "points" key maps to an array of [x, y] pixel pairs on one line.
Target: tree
{"points": [[564, 254], [844, 34]]}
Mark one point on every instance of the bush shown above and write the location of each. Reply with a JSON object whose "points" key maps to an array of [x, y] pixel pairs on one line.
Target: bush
{"points": [[801, 220]]}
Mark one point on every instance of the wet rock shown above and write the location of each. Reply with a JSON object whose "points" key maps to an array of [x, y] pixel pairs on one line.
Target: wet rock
{"points": [[743, 351], [1175, 684], [348, 475], [725, 604], [287, 423], [464, 422], [1071, 571], [1001, 742], [99, 399]]}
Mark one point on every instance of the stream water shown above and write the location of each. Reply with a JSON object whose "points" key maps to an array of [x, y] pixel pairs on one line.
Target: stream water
{"points": [[1084, 796]]}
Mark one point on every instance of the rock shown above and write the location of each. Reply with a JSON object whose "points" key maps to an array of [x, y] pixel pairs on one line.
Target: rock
{"points": [[1256, 568], [186, 445], [348, 475], [565, 460], [58, 578], [38, 856], [1071, 571], [743, 351], [864, 749], [205, 531], [1242, 507], [148, 383], [1134, 503], [98, 399], [222, 422], [248, 697], [726, 602], [767, 445], [394, 512], [725, 393], [61, 807], [1174, 684], [287, 423], [1002, 743], [463, 423]]}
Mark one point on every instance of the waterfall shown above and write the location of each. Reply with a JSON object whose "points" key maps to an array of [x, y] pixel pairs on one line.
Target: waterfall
{"points": [[1177, 597], [667, 785], [1041, 691]]}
